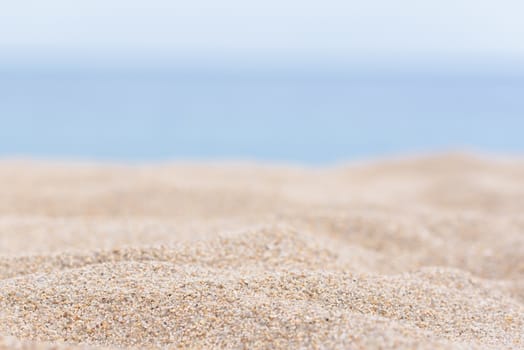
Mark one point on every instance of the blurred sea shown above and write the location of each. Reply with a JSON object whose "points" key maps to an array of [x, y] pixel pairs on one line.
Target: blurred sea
{"points": [[309, 118]]}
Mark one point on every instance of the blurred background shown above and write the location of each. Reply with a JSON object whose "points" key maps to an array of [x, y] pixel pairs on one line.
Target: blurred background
{"points": [[310, 82]]}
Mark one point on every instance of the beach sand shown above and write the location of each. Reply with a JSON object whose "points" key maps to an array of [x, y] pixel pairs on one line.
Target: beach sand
{"points": [[423, 253]]}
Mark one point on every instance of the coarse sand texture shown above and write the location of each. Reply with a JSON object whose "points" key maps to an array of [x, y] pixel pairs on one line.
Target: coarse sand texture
{"points": [[422, 253]]}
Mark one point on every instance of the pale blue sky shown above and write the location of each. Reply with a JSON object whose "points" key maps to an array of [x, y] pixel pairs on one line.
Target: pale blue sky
{"points": [[272, 30], [286, 80]]}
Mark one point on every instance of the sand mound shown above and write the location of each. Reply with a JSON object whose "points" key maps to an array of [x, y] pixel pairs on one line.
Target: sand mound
{"points": [[423, 253]]}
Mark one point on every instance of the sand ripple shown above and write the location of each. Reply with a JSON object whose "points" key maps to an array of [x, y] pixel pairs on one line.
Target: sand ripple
{"points": [[388, 255]]}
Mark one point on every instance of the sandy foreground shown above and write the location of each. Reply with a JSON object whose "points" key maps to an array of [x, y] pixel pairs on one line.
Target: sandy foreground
{"points": [[408, 253]]}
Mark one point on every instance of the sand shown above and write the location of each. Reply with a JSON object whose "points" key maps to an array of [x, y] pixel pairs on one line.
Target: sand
{"points": [[422, 253]]}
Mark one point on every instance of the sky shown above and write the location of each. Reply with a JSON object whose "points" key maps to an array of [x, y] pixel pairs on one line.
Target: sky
{"points": [[271, 31], [259, 79]]}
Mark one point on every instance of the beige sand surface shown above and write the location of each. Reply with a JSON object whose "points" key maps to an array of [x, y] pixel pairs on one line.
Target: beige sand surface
{"points": [[408, 253]]}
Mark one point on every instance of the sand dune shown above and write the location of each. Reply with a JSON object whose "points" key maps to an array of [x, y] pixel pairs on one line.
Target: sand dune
{"points": [[409, 253]]}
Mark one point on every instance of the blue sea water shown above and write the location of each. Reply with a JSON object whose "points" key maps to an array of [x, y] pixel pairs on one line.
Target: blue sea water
{"points": [[305, 118]]}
